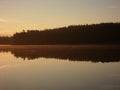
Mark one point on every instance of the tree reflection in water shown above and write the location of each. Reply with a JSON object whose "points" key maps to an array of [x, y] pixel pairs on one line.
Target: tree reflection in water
{"points": [[93, 53]]}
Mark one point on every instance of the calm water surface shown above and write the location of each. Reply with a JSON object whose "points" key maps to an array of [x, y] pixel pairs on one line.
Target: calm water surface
{"points": [[24, 69]]}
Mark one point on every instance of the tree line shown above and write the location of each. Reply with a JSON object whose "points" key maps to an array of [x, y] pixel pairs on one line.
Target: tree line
{"points": [[103, 33]]}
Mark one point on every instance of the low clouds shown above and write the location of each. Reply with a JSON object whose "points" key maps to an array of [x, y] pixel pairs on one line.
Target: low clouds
{"points": [[3, 20]]}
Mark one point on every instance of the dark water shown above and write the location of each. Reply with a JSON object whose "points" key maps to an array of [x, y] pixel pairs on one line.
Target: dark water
{"points": [[45, 67]]}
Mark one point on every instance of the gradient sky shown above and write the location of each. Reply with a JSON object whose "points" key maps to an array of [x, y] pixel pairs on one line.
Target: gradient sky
{"points": [[16, 15]]}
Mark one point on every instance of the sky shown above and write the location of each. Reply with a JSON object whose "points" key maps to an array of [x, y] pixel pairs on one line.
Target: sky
{"points": [[16, 15]]}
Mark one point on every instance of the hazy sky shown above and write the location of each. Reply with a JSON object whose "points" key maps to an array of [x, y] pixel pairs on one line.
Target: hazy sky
{"points": [[16, 15]]}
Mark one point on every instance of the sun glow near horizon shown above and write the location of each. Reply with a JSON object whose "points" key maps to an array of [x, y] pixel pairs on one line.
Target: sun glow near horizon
{"points": [[17, 15]]}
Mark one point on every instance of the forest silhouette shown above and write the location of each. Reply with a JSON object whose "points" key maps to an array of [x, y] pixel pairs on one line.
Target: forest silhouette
{"points": [[103, 33]]}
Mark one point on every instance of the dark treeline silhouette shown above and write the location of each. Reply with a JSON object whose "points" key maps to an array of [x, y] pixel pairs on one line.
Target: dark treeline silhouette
{"points": [[104, 33], [5, 40], [93, 53]]}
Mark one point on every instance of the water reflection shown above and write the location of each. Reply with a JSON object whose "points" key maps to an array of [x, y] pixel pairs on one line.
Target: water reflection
{"points": [[73, 53]]}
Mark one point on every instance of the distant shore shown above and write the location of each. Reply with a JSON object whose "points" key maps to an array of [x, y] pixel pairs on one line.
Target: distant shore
{"points": [[97, 34]]}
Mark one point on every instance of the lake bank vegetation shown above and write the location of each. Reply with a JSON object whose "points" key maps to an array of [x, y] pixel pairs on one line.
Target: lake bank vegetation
{"points": [[103, 33]]}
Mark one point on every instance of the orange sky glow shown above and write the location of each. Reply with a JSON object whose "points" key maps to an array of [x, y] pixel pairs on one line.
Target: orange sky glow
{"points": [[16, 15]]}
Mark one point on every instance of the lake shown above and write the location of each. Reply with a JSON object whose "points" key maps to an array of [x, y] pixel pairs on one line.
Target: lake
{"points": [[53, 67]]}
